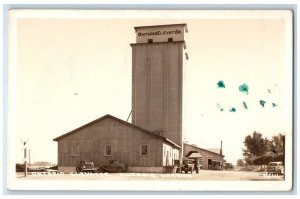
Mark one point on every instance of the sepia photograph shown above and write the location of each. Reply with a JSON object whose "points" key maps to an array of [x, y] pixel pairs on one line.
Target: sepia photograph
{"points": [[150, 100]]}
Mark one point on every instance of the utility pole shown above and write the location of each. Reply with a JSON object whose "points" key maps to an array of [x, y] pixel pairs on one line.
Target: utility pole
{"points": [[221, 153], [29, 157], [25, 158]]}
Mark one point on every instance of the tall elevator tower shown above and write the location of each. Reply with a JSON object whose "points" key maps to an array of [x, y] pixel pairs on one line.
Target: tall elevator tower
{"points": [[157, 79]]}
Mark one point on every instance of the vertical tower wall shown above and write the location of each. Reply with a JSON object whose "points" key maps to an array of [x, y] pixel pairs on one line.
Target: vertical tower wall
{"points": [[157, 88]]}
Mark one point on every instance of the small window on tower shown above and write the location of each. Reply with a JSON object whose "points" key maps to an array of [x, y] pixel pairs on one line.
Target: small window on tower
{"points": [[144, 149], [150, 40], [170, 39]]}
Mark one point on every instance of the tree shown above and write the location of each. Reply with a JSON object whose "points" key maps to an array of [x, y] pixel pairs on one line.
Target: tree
{"points": [[255, 145], [261, 151], [276, 147], [276, 144], [240, 162]]}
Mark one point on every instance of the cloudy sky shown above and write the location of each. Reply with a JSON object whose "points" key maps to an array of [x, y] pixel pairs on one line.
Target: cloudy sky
{"points": [[72, 68]]}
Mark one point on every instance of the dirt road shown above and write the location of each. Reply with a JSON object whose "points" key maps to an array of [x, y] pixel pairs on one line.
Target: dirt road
{"points": [[203, 175]]}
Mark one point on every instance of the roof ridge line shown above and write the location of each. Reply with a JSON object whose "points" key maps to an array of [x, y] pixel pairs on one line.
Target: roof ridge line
{"points": [[120, 120]]}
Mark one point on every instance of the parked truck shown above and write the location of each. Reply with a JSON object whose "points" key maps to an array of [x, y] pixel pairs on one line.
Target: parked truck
{"points": [[186, 166]]}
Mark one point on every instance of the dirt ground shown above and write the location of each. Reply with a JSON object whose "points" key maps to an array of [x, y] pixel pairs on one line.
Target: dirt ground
{"points": [[203, 175]]}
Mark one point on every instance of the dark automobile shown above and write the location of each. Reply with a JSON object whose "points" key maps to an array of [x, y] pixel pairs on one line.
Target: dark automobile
{"points": [[275, 167], [86, 166], [228, 166], [114, 166], [188, 165]]}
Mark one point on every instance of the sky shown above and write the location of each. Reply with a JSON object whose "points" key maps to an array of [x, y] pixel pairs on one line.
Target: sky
{"points": [[71, 71]]}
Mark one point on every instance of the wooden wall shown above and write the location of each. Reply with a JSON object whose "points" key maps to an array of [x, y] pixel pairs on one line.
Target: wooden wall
{"points": [[124, 139], [169, 155], [157, 88]]}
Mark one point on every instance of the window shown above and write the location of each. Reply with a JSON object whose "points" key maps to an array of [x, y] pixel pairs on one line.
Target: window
{"points": [[108, 150], [150, 40], [170, 39], [75, 150], [144, 149]]}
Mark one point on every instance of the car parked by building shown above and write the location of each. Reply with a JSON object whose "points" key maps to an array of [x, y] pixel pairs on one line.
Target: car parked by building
{"points": [[86, 166], [276, 167], [114, 166]]}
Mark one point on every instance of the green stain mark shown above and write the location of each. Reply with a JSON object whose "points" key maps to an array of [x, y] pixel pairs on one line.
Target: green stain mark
{"points": [[221, 84], [232, 109], [244, 88], [274, 105], [245, 105], [221, 109], [262, 103]]}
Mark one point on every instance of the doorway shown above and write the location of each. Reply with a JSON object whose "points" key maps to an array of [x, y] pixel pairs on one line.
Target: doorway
{"points": [[209, 163]]}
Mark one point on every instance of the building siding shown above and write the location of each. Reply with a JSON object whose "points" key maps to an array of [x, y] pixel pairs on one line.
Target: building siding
{"points": [[169, 155], [157, 88], [125, 141]]}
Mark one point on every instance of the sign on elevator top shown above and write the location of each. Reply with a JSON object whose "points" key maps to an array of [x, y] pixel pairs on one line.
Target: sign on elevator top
{"points": [[160, 33]]}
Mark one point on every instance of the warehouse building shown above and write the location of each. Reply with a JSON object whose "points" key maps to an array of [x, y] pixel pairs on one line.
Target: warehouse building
{"points": [[111, 138]]}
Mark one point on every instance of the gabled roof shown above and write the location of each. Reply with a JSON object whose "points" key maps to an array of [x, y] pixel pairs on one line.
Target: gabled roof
{"points": [[121, 121], [202, 149]]}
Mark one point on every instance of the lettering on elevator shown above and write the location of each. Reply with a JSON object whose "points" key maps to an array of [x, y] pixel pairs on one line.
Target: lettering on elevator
{"points": [[155, 33]]}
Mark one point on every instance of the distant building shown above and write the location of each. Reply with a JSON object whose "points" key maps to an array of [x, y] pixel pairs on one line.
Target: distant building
{"points": [[211, 158]]}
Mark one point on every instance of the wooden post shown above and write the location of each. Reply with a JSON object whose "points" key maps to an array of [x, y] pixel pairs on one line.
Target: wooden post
{"points": [[25, 162]]}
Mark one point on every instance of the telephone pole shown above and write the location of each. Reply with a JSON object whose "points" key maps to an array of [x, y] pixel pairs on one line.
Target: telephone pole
{"points": [[25, 158], [29, 157], [221, 153]]}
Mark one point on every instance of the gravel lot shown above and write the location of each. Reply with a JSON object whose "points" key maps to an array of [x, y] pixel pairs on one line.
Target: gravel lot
{"points": [[203, 175]]}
